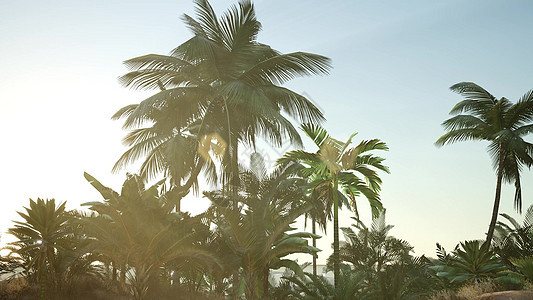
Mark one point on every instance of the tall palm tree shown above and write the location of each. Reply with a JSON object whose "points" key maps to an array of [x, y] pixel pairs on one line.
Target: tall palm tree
{"points": [[221, 84], [340, 174], [40, 236], [480, 116]]}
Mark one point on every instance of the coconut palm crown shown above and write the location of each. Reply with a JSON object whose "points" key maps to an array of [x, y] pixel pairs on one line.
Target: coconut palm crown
{"points": [[260, 230], [216, 90]]}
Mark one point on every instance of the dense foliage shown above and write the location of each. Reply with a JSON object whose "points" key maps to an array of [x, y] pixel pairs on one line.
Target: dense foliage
{"points": [[221, 90]]}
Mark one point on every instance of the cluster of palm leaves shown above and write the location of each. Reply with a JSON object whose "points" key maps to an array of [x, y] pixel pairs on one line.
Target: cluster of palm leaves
{"points": [[391, 271], [508, 261], [350, 285], [50, 249], [142, 246], [138, 234], [513, 244], [374, 265], [338, 174], [470, 260], [512, 239], [258, 231]]}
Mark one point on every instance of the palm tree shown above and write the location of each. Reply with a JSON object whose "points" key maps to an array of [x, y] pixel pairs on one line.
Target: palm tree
{"points": [[221, 84], [139, 232], [42, 234], [480, 116], [259, 230], [371, 249], [334, 172]]}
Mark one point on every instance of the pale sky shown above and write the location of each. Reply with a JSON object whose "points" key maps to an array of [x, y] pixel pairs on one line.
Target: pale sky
{"points": [[393, 64]]}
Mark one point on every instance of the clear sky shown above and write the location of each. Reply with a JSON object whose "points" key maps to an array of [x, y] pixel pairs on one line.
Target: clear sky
{"points": [[393, 63]]}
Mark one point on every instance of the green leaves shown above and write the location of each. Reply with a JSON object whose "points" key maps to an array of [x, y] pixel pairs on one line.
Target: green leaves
{"points": [[525, 266], [258, 229], [221, 81], [351, 285], [285, 67], [512, 239], [471, 91], [470, 260], [333, 174], [41, 238], [107, 193], [336, 160], [138, 230], [480, 116]]}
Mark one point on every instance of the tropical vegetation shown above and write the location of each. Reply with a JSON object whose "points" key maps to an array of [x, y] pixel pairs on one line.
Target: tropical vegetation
{"points": [[221, 91]]}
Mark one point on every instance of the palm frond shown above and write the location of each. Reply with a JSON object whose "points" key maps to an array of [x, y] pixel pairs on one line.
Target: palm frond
{"points": [[285, 67], [460, 135], [318, 134], [477, 98]]}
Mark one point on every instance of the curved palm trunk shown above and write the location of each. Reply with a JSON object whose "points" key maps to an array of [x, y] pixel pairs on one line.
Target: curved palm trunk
{"points": [[336, 257], [497, 197]]}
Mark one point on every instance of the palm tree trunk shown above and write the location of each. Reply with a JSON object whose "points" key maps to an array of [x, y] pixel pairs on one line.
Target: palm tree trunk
{"points": [[336, 256], [497, 197], [234, 171], [266, 274], [313, 228], [43, 285], [233, 186]]}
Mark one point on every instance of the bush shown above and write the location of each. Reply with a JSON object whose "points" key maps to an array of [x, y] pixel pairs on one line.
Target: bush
{"points": [[468, 291], [471, 291]]}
